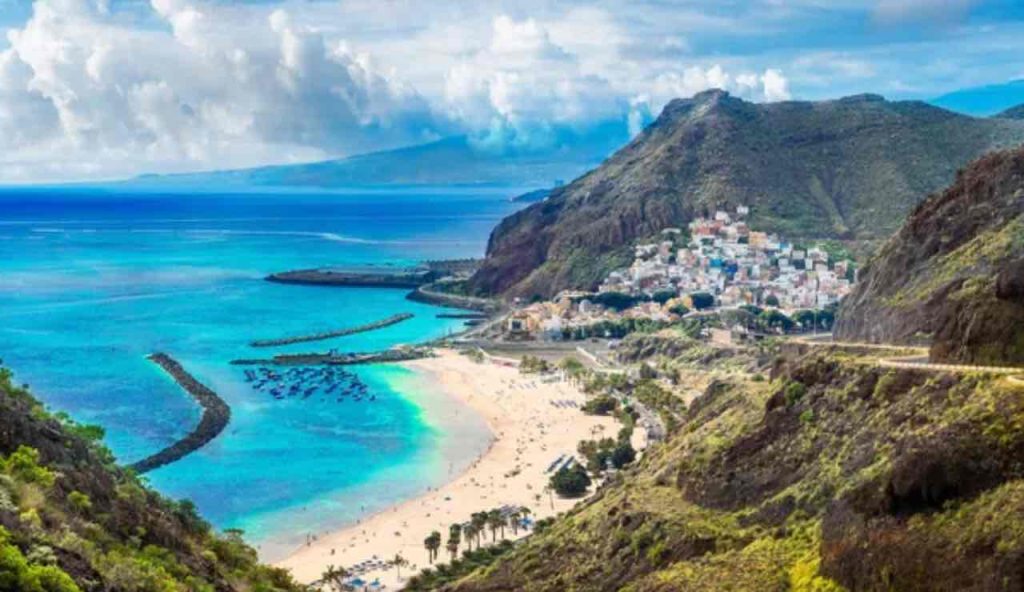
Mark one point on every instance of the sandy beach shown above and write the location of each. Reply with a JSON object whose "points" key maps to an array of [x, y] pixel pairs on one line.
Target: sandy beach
{"points": [[533, 421]]}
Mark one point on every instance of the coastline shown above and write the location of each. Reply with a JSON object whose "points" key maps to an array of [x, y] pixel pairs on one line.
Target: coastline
{"points": [[528, 433]]}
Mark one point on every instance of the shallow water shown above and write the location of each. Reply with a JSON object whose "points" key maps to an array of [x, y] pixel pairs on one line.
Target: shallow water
{"points": [[94, 280]]}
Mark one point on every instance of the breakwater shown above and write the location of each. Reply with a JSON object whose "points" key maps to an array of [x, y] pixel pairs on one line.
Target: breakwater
{"points": [[402, 278], [392, 320], [216, 415], [428, 296], [401, 354]]}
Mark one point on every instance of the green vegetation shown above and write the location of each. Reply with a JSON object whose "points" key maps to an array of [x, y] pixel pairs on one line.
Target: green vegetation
{"points": [[835, 475], [534, 365], [601, 405], [71, 520], [570, 481]]}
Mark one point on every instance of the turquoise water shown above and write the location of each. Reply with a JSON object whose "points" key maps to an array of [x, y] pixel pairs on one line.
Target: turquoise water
{"points": [[92, 281]]}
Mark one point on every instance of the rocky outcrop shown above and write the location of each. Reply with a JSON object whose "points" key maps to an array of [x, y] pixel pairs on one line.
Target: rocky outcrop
{"points": [[851, 168], [953, 276]]}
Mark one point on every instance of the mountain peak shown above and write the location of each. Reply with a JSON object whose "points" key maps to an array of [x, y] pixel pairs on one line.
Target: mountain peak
{"points": [[850, 169]]}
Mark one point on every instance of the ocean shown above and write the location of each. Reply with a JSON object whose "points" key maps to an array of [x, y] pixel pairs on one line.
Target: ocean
{"points": [[95, 279]]}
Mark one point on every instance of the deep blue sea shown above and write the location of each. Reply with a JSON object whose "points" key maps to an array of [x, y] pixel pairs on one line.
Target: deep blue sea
{"points": [[92, 280]]}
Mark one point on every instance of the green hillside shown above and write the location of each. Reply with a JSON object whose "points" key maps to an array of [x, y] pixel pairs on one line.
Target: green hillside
{"points": [[71, 520], [817, 472]]}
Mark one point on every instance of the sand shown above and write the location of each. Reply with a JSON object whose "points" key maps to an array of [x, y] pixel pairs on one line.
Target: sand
{"points": [[529, 434]]}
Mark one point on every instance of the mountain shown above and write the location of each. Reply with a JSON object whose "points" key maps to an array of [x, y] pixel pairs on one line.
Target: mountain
{"points": [[982, 101], [1012, 113], [451, 161], [823, 472], [851, 169], [954, 274], [71, 520]]}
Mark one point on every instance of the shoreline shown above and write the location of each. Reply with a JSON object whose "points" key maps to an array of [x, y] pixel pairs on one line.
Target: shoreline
{"points": [[528, 433]]}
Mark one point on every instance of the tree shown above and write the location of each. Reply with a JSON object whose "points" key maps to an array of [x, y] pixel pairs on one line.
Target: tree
{"points": [[570, 482], [771, 300], [663, 296], [614, 300], [514, 518], [572, 367], [496, 522], [623, 455], [679, 309], [601, 405], [479, 521], [432, 543], [469, 533], [398, 563], [454, 540], [702, 300], [334, 578]]}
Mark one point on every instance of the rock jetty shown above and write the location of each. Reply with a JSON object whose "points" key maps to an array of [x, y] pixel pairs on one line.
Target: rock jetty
{"points": [[216, 416], [387, 322]]}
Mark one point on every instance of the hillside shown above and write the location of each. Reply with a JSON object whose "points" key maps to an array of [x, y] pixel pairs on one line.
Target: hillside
{"points": [[71, 520], [451, 161], [851, 168], [954, 274], [1012, 113], [829, 475]]}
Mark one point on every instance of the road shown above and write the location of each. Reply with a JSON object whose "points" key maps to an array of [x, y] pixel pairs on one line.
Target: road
{"points": [[918, 360]]}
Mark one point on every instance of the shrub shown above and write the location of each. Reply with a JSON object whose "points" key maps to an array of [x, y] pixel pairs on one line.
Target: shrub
{"points": [[570, 482], [623, 455], [79, 502], [794, 392], [23, 464], [602, 405]]}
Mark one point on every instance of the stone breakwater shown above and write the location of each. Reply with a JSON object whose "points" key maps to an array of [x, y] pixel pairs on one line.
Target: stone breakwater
{"points": [[404, 278], [392, 320], [401, 354], [216, 416]]}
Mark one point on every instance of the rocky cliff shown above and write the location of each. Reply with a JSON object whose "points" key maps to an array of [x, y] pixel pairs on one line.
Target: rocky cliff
{"points": [[953, 276], [851, 168]]}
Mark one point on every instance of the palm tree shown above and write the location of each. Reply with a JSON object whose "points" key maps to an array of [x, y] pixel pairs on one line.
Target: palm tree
{"points": [[513, 520], [398, 563], [454, 539], [432, 543], [468, 533], [551, 496], [479, 521], [496, 521], [334, 578]]}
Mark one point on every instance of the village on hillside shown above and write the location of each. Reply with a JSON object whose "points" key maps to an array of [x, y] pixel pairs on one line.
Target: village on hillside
{"points": [[715, 264]]}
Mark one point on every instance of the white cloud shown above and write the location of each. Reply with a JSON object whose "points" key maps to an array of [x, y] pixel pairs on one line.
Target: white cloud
{"points": [[83, 94], [88, 89]]}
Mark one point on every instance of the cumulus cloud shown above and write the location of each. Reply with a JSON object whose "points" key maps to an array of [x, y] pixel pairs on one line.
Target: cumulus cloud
{"points": [[521, 88], [88, 89], [82, 94]]}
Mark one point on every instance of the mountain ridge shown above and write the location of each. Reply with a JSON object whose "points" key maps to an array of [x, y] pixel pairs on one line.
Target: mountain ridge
{"points": [[851, 168], [455, 160]]}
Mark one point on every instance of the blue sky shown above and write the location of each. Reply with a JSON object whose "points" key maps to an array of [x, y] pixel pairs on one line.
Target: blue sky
{"points": [[107, 88]]}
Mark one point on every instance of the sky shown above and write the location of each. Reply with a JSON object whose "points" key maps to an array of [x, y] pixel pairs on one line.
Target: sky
{"points": [[98, 89]]}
